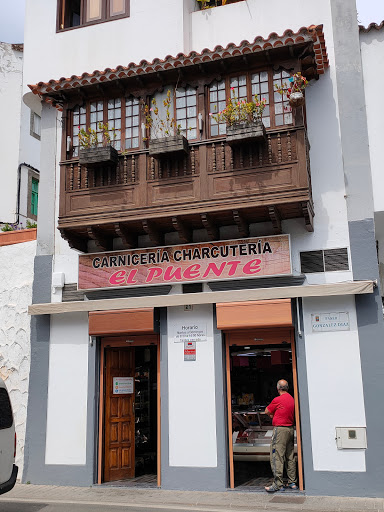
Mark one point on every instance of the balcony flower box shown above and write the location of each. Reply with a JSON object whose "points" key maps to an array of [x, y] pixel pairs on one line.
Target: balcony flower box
{"points": [[168, 145], [253, 131], [105, 155]]}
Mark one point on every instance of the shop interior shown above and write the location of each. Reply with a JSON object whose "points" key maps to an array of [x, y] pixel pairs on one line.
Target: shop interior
{"points": [[254, 372]]}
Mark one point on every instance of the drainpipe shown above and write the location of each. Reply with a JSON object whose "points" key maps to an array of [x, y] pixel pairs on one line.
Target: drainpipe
{"points": [[19, 186]]}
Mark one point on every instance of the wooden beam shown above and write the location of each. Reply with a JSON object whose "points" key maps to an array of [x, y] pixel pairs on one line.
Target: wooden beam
{"points": [[308, 215], [154, 235], [212, 229], [74, 241], [185, 233], [128, 239], [242, 224], [275, 217], [100, 239]]}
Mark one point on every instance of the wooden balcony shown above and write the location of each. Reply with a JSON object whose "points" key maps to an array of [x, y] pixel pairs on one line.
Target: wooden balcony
{"points": [[213, 186]]}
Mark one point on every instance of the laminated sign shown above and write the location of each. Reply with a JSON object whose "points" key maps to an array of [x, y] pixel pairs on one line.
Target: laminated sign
{"points": [[229, 259]]}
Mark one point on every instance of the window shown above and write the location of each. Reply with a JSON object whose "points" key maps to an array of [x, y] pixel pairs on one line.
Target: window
{"points": [[6, 416], [186, 113], [329, 260], [283, 110], [77, 13], [121, 114], [34, 197], [35, 130], [277, 111]]}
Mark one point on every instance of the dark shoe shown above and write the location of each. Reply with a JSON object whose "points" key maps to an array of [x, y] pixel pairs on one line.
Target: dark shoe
{"points": [[293, 486], [274, 488]]}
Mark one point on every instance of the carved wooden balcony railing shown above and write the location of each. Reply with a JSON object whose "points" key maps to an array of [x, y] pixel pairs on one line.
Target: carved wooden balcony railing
{"points": [[214, 185]]}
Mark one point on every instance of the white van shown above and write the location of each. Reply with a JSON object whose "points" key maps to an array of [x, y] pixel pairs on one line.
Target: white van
{"points": [[8, 469]]}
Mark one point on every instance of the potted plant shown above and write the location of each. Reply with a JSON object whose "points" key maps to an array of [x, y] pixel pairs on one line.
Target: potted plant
{"points": [[165, 133], [94, 152], [243, 119], [294, 89]]}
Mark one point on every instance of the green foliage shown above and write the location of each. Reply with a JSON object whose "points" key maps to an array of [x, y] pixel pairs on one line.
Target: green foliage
{"points": [[88, 138], [31, 225], [296, 83], [243, 111], [208, 4], [7, 227], [157, 126]]}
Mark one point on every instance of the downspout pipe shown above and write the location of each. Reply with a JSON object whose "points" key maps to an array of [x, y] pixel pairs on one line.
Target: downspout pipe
{"points": [[19, 186]]}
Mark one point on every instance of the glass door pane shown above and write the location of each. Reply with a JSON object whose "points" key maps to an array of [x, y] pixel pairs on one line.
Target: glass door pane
{"points": [[117, 7], [93, 10]]}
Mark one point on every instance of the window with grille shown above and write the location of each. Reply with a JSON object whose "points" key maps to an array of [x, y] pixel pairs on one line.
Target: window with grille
{"points": [[34, 196], [114, 122], [217, 102], [97, 117], [283, 110], [260, 86], [328, 260], [132, 120], [79, 122], [77, 13], [238, 85], [186, 112]]}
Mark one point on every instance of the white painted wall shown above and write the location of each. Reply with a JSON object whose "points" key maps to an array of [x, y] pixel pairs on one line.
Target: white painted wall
{"points": [[16, 263], [67, 390], [335, 385], [372, 55], [10, 108], [191, 394]]}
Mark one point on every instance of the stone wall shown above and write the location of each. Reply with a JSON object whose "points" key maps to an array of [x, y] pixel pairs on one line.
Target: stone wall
{"points": [[16, 277]]}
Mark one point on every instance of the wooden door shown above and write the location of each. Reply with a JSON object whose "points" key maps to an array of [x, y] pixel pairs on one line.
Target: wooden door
{"points": [[119, 440]]}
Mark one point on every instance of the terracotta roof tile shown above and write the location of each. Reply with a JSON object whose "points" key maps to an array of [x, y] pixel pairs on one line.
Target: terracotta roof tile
{"points": [[313, 33], [371, 26]]}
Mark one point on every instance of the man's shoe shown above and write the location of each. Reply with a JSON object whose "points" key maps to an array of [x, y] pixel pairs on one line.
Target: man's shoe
{"points": [[274, 488], [293, 486]]}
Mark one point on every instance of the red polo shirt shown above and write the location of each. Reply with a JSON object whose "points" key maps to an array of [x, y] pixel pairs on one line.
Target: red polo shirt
{"points": [[283, 409]]}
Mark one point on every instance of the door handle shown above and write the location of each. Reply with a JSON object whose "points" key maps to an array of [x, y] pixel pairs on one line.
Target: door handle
{"points": [[133, 407]]}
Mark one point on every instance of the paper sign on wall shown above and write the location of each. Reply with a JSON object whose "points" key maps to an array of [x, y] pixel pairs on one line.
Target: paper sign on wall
{"points": [[189, 351], [190, 332], [326, 322], [122, 385]]}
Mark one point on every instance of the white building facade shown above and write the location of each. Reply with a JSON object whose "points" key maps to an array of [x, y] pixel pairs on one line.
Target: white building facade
{"points": [[315, 315]]}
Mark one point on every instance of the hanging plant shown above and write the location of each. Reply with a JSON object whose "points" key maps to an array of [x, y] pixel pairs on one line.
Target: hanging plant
{"points": [[293, 90]]}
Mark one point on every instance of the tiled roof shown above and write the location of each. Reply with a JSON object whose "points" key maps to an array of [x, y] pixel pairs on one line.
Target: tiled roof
{"points": [[313, 33], [372, 26]]}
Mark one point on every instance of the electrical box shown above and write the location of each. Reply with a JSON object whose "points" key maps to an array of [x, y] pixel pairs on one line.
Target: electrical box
{"points": [[351, 437]]}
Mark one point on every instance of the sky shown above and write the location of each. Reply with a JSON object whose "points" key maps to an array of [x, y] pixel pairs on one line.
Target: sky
{"points": [[12, 16]]}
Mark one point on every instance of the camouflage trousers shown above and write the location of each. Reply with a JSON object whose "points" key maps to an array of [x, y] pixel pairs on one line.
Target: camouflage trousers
{"points": [[282, 453]]}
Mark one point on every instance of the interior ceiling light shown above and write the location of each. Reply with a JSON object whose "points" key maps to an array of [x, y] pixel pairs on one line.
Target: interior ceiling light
{"points": [[247, 348], [258, 339]]}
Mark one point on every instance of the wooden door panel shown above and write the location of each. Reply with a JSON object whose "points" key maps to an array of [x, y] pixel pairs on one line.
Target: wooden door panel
{"points": [[119, 446]]}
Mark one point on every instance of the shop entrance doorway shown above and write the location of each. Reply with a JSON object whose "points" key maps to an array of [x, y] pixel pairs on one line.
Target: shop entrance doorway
{"points": [[129, 447], [256, 360]]}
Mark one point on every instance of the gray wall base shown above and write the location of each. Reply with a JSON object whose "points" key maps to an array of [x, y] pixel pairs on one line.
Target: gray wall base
{"points": [[193, 479]]}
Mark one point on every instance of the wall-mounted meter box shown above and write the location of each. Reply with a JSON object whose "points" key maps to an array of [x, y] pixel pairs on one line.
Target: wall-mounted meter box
{"points": [[351, 437]]}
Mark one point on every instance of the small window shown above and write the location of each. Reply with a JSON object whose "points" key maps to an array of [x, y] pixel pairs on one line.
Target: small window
{"points": [[6, 416], [329, 260], [186, 113], [34, 196], [79, 122], [132, 123], [260, 86], [35, 125], [114, 122], [283, 110], [77, 13], [217, 103]]}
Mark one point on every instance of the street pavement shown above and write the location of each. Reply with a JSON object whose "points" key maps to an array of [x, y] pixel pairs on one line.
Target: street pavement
{"points": [[45, 498]]}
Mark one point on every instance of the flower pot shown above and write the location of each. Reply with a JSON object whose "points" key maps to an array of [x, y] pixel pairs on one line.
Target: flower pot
{"points": [[167, 145], [96, 156], [296, 99], [253, 131]]}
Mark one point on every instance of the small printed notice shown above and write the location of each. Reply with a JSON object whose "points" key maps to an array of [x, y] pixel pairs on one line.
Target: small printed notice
{"points": [[326, 322], [190, 332], [122, 385], [189, 351]]}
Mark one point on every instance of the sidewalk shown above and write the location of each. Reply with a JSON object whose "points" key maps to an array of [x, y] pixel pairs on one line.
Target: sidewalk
{"points": [[188, 500]]}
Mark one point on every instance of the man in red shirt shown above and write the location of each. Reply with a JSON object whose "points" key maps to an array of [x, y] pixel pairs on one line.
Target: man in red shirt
{"points": [[282, 412]]}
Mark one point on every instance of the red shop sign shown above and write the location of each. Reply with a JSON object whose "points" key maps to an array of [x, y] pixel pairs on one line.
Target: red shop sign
{"points": [[207, 261]]}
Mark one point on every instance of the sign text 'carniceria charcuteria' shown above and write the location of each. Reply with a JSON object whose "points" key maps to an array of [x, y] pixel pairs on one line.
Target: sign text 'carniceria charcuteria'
{"points": [[230, 259]]}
